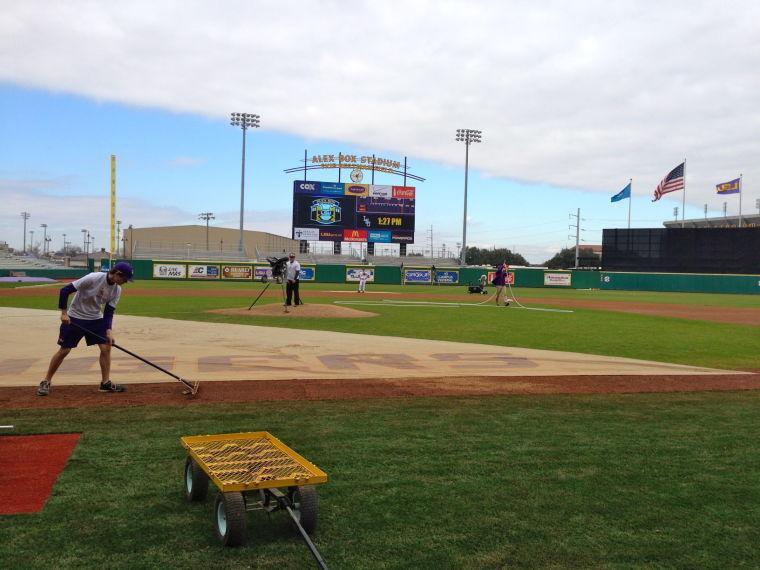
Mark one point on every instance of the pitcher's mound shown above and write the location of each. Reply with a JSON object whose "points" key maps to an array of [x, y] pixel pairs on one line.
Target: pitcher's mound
{"points": [[318, 311]]}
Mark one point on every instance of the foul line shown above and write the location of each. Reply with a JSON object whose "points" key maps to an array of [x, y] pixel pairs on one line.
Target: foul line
{"points": [[400, 303]]}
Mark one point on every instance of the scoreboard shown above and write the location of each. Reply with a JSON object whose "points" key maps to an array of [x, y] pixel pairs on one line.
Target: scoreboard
{"points": [[334, 211]]}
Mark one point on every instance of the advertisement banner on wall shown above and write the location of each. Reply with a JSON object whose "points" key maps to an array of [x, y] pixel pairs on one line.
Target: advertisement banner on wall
{"points": [[203, 271], [237, 272], [557, 279], [446, 276], [262, 273], [352, 274], [308, 273], [417, 275], [169, 271], [510, 280]]}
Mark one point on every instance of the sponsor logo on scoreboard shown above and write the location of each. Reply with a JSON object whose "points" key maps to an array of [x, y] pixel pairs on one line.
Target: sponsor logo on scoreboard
{"points": [[357, 189], [330, 235], [306, 187], [379, 236], [354, 235], [332, 188], [381, 191], [403, 192], [308, 234], [402, 237]]}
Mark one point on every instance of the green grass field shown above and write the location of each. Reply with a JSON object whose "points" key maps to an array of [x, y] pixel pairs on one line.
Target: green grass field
{"points": [[655, 480], [588, 481]]}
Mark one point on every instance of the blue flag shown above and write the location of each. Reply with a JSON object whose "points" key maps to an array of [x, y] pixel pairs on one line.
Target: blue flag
{"points": [[623, 194]]}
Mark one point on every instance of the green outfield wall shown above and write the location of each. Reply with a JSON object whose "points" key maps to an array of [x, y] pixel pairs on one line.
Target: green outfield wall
{"points": [[682, 282], [523, 277]]}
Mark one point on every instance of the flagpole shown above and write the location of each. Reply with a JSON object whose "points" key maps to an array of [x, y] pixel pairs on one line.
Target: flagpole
{"points": [[683, 206], [630, 182], [740, 199]]}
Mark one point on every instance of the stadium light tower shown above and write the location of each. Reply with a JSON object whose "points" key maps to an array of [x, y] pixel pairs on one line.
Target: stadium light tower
{"points": [[44, 238], [245, 121], [25, 216], [467, 136], [206, 216]]}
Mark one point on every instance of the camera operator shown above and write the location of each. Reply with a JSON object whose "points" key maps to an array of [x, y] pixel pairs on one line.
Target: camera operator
{"points": [[292, 274]]}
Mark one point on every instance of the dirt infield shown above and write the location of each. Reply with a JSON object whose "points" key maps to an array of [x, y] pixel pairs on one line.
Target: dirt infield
{"points": [[735, 315], [167, 394]]}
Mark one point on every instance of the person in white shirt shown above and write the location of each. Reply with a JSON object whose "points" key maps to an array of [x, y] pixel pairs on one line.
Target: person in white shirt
{"points": [[363, 276], [292, 275], [90, 316]]}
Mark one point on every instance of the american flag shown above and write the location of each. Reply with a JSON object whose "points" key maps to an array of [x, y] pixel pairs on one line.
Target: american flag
{"points": [[673, 182]]}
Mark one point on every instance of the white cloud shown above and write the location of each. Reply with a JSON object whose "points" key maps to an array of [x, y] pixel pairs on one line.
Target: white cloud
{"points": [[70, 214], [580, 95]]}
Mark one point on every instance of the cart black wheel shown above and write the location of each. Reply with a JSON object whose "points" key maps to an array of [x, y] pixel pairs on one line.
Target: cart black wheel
{"points": [[229, 519], [305, 506], [196, 481]]}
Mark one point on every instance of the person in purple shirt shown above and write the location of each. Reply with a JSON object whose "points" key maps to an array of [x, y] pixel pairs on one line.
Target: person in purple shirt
{"points": [[95, 300], [500, 281]]}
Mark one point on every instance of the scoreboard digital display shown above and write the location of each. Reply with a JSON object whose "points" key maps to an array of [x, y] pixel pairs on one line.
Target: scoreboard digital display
{"points": [[330, 211]]}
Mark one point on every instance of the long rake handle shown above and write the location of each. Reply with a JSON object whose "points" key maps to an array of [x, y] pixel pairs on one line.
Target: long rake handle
{"points": [[137, 356], [260, 294]]}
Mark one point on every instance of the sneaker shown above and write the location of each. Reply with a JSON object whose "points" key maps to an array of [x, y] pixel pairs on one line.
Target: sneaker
{"points": [[44, 388], [111, 387]]}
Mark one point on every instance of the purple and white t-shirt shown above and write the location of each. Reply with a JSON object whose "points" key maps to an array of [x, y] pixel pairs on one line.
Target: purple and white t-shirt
{"points": [[93, 292]]}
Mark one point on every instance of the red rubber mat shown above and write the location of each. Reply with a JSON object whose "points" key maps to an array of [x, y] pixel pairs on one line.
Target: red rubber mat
{"points": [[29, 467]]}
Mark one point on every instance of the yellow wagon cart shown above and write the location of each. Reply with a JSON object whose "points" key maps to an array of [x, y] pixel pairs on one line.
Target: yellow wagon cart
{"points": [[253, 471]]}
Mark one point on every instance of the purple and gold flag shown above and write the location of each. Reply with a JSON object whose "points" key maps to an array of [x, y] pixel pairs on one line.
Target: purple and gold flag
{"points": [[730, 187]]}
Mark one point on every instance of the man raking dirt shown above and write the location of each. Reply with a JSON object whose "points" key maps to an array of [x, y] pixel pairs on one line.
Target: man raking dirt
{"points": [[90, 316]]}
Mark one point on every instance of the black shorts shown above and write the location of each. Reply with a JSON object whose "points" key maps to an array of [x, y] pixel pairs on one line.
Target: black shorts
{"points": [[70, 335]]}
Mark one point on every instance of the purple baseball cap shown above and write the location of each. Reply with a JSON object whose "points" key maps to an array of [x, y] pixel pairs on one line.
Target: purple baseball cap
{"points": [[125, 269]]}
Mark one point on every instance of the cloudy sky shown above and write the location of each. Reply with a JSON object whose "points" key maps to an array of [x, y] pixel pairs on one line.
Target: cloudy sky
{"points": [[573, 100]]}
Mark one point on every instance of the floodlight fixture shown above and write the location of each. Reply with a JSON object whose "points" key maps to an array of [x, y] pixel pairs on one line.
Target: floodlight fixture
{"points": [[245, 121], [467, 136]]}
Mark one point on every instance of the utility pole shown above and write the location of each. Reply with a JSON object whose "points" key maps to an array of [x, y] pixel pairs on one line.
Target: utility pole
{"points": [[577, 226], [206, 216], [64, 245], [432, 255], [27, 215], [725, 208], [31, 239]]}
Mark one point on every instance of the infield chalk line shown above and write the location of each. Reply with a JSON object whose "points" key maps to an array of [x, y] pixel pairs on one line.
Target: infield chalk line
{"points": [[399, 303], [478, 305]]}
